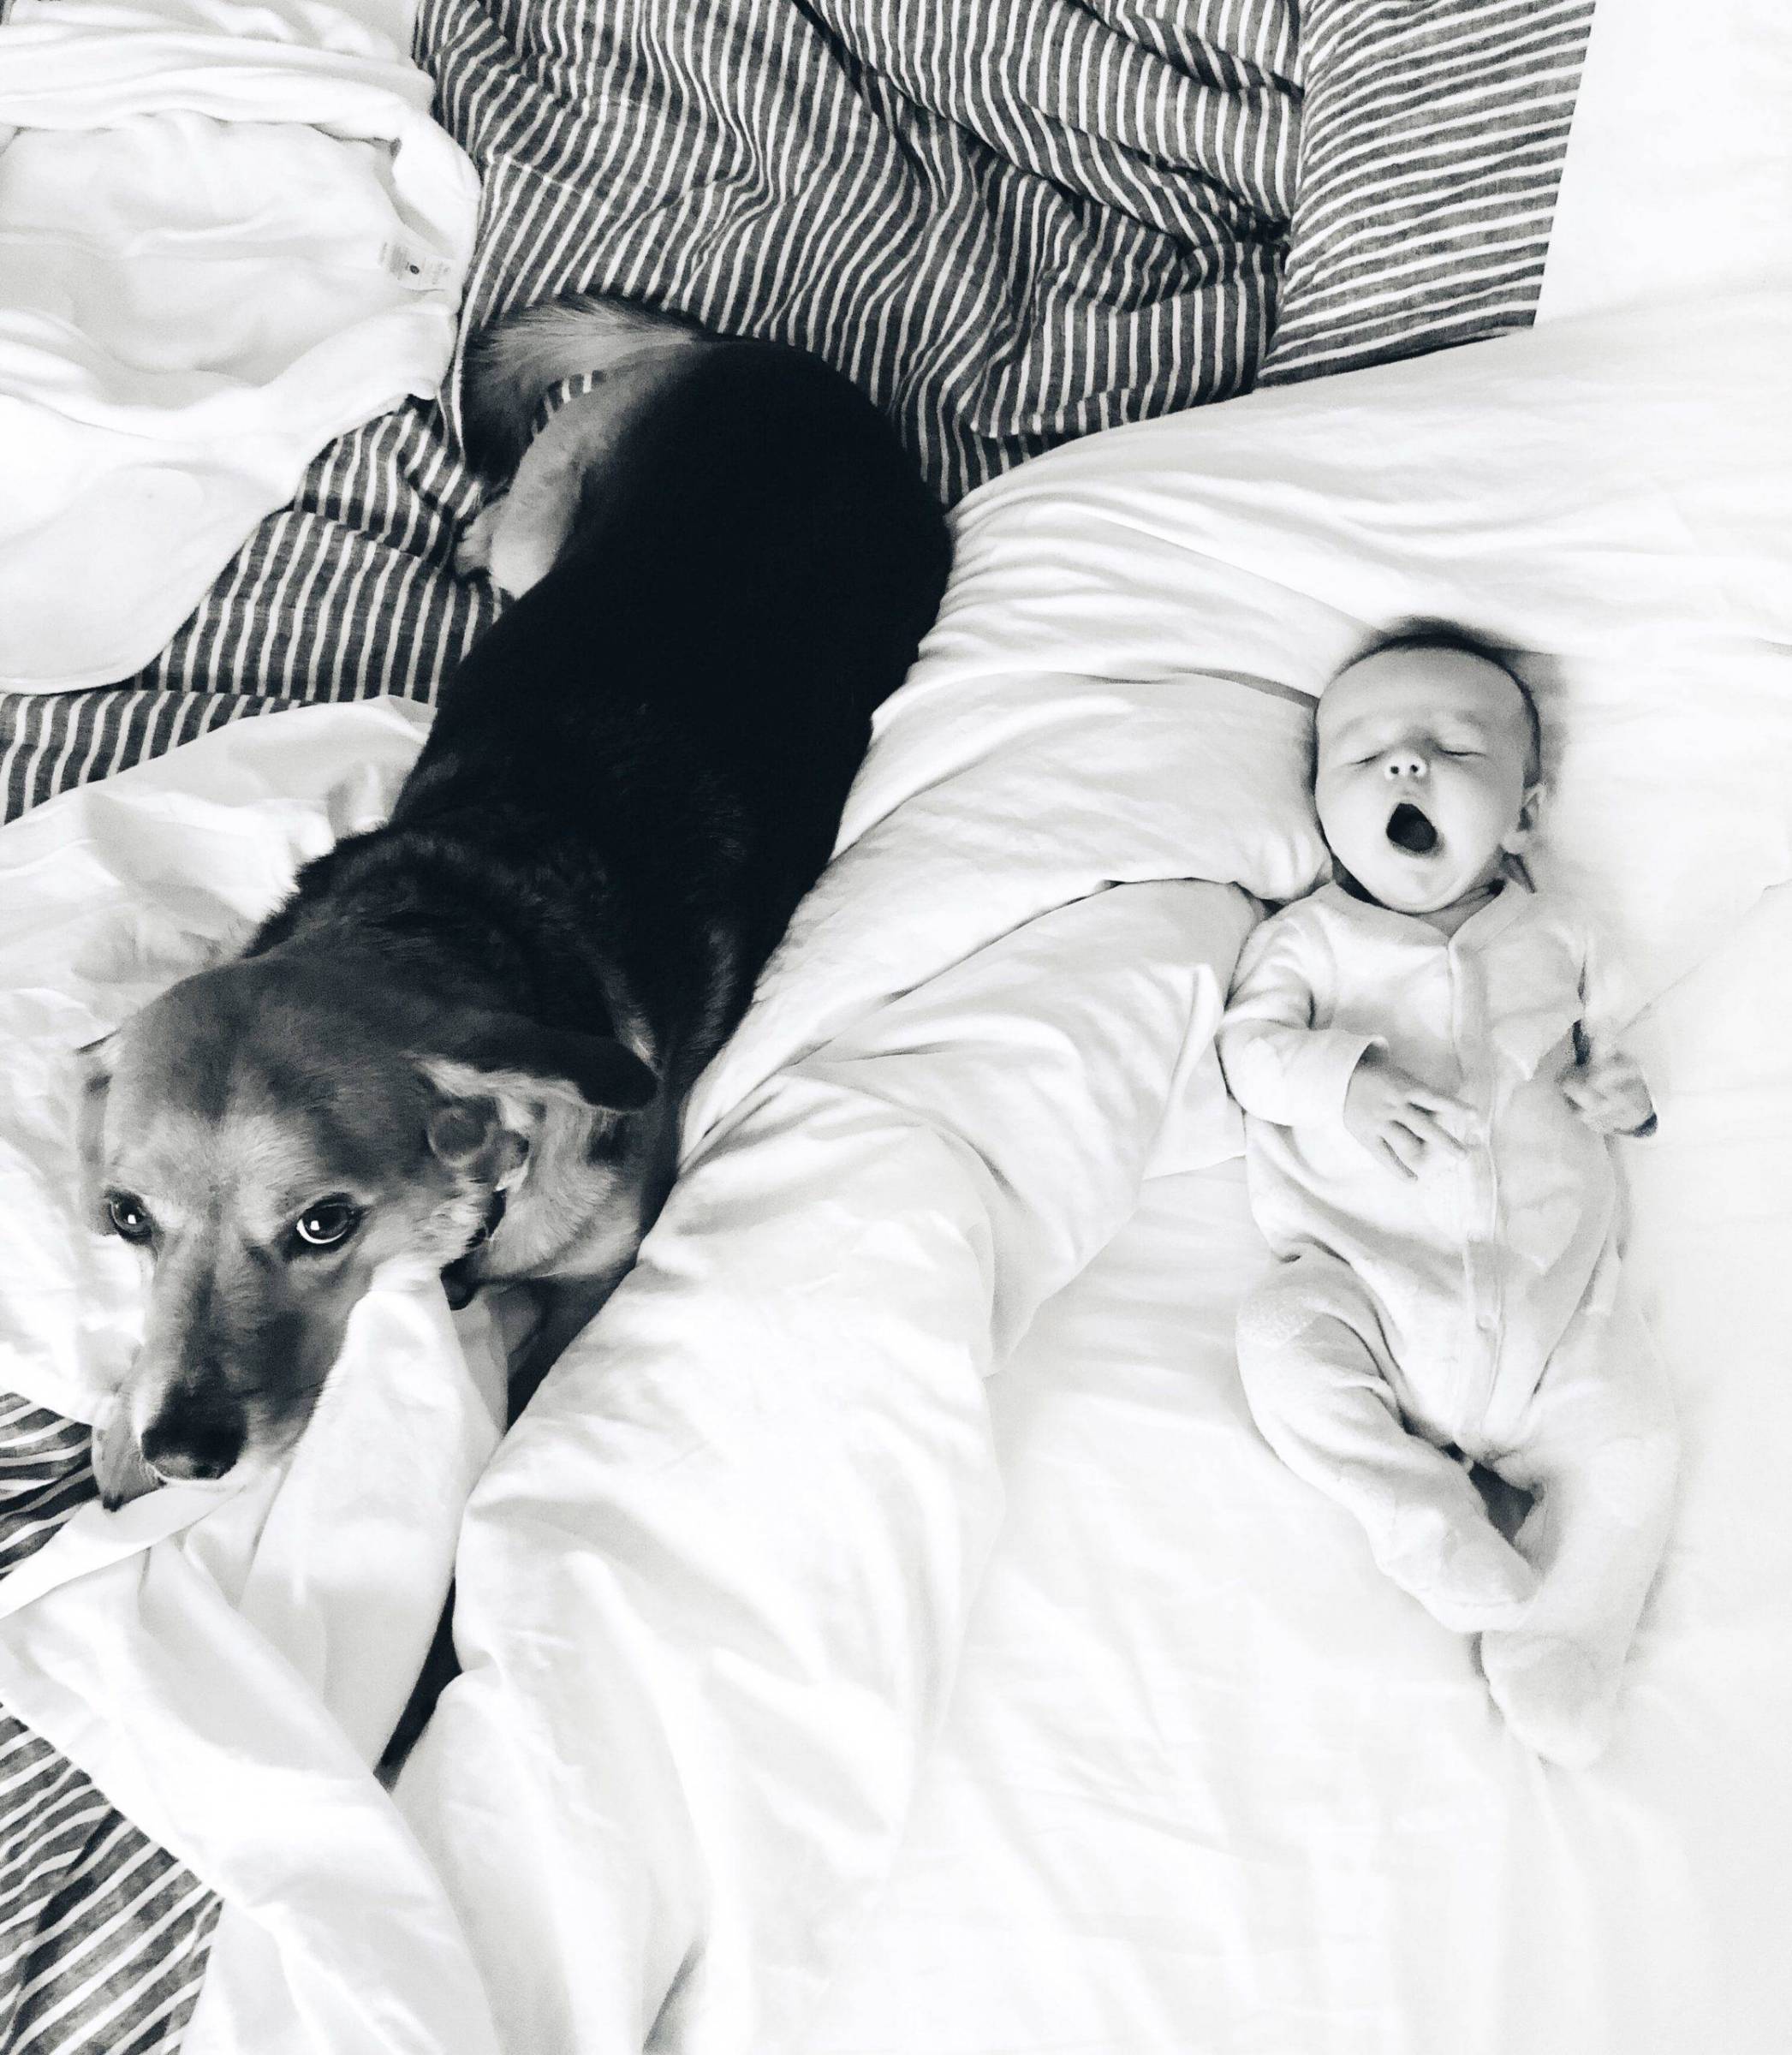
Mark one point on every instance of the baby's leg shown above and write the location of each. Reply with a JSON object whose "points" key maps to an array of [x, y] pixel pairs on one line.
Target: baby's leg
{"points": [[1598, 1450], [1311, 1352]]}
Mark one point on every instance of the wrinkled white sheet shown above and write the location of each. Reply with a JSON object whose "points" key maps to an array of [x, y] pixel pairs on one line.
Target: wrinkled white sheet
{"points": [[1209, 1783], [711, 1598], [229, 231], [863, 1237], [708, 1615], [225, 1667], [713, 1590]]}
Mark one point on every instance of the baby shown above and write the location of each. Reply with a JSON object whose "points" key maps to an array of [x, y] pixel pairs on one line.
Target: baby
{"points": [[1419, 1051]]}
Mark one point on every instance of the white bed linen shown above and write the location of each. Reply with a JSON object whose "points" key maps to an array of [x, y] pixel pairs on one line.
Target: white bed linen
{"points": [[224, 1667], [712, 1592], [1618, 494], [713, 1589], [229, 232], [1677, 180], [1209, 1783], [709, 1601], [225, 1672]]}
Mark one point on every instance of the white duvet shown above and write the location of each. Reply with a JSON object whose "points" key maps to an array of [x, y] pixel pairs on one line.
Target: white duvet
{"points": [[797, 1363], [229, 231], [713, 1590]]}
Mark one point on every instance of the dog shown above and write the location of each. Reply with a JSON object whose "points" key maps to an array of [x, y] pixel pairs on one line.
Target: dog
{"points": [[467, 1036]]}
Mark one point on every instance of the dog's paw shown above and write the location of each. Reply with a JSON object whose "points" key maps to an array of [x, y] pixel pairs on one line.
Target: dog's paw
{"points": [[473, 553], [119, 1469]]}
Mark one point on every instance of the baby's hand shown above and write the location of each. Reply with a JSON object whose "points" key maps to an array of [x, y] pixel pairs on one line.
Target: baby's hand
{"points": [[1400, 1121], [1609, 1093]]}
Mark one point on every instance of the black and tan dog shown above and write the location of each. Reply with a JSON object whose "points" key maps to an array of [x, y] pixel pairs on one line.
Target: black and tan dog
{"points": [[467, 1036]]}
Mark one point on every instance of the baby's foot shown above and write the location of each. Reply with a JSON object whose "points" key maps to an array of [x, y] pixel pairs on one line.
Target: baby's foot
{"points": [[1467, 1576], [1557, 1697]]}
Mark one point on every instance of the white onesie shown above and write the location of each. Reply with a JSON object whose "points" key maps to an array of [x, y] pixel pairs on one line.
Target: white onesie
{"points": [[1475, 1308]]}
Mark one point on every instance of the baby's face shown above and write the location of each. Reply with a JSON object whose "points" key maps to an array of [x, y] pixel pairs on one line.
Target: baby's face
{"points": [[1422, 782]]}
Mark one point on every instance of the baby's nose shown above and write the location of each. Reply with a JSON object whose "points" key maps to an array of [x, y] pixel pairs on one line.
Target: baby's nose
{"points": [[1404, 763]]}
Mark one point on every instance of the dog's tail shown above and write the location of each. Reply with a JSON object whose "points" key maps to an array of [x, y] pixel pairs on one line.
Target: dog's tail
{"points": [[512, 365]]}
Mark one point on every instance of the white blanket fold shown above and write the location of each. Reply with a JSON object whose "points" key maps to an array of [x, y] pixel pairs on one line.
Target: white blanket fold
{"points": [[711, 1600], [711, 1593], [228, 233]]}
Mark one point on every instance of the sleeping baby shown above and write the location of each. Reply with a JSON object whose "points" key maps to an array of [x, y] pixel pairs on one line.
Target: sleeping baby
{"points": [[1419, 1049]]}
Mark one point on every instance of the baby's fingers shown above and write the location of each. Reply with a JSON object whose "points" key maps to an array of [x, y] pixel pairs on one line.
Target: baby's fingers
{"points": [[1454, 1117], [1429, 1129], [1617, 1101], [1403, 1149], [1581, 1091], [1386, 1157]]}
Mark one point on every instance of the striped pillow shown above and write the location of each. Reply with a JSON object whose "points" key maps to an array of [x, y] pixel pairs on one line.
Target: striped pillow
{"points": [[1431, 150]]}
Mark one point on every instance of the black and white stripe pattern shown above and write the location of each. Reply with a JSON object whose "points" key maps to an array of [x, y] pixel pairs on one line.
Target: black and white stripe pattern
{"points": [[45, 1474], [103, 1939], [1010, 221], [103, 1936], [344, 595], [1431, 146]]}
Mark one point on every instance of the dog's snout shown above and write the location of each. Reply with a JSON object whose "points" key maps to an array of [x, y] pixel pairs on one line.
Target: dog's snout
{"points": [[191, 1451]]}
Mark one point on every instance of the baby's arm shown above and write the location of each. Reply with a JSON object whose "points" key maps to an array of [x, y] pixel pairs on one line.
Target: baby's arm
{"points": [[1279, 1065], [1604, 1084], [1283, 1069], [1605, 1087]]}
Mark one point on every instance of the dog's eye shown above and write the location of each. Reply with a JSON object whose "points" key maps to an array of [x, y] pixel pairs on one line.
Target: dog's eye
{"points": [[328, 1223], [128, 1216]]}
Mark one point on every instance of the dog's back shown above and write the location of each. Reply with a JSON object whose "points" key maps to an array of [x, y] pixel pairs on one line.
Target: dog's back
{"points": [[752, 563]]}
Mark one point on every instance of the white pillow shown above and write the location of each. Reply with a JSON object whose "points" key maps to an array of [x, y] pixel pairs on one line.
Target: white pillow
{"points": [[1612, 492]]}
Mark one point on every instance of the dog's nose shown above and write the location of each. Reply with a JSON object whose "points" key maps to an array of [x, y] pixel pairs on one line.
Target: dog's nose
{"points": [[191, 1451]]}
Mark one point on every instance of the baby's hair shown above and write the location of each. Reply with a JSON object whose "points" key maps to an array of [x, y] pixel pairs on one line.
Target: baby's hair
{"points": [[1451, 635]]}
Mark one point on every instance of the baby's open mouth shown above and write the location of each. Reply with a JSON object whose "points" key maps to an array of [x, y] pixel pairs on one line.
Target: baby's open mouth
{"points": [[1409, 829]]}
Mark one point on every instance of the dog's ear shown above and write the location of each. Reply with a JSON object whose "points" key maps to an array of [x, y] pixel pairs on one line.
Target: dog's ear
{"points": [[509, 1087], [470, 1136], [499, 1055]]}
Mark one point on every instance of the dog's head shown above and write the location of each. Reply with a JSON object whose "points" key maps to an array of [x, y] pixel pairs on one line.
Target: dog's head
{"points": [[268, 1132]]}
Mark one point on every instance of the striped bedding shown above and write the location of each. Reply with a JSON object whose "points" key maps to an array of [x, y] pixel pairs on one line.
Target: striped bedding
{"points": [[1385, 258], [103, 1934], [1012, 222]]}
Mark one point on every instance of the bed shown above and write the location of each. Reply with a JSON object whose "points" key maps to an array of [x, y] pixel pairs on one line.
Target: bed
{"points": [[825, 1692]]}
